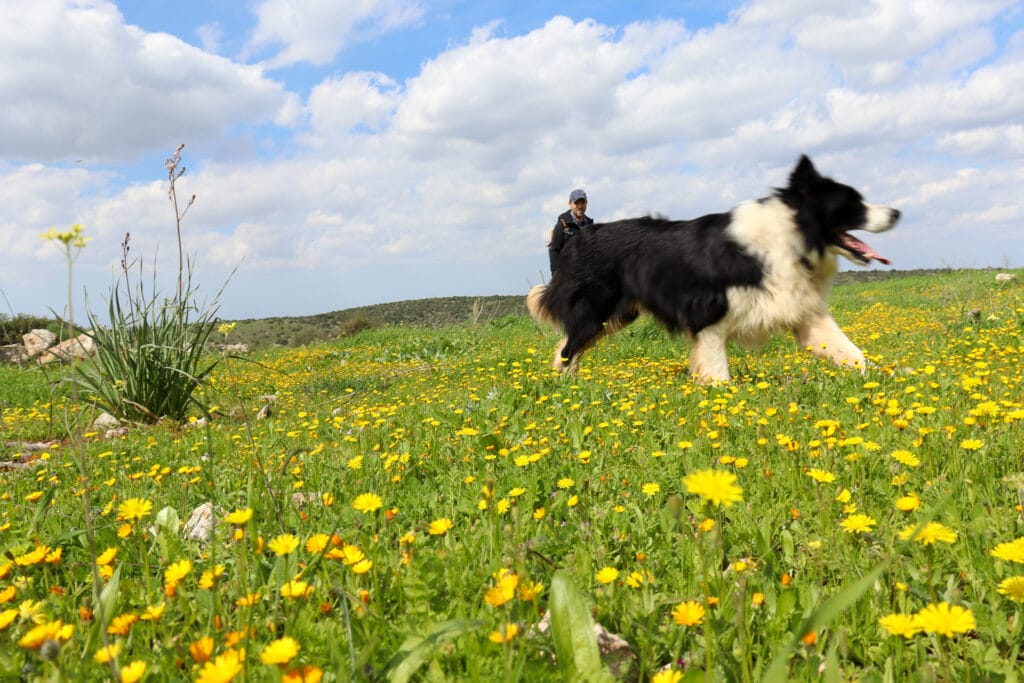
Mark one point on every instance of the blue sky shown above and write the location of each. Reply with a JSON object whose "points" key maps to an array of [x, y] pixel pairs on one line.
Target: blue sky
{"points": [[352, 153]]}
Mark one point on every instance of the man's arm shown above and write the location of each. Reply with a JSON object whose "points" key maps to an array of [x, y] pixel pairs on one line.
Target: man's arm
{"points": [[555, 245]]}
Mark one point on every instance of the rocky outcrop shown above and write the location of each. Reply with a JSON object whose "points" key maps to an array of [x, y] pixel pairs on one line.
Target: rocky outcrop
{"points": [[81, 346], [37, 341], [41, 345]]}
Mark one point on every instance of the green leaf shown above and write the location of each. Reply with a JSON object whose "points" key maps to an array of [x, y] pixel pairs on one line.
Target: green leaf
{"points": [[109, 595], [787, 546], [786, 604], [828, 611], [416, 649], [832, 673], [694, 675], [572, 632], [42, 505], [490, 442], [167, 521]]}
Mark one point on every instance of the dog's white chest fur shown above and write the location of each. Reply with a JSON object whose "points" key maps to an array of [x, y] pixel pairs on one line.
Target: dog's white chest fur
{"points": [[795, 285]]}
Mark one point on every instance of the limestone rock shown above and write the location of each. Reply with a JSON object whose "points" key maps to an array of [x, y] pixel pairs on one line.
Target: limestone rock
{"points": [[199, 526], [37, 341], [105, 421], [81, 346]]}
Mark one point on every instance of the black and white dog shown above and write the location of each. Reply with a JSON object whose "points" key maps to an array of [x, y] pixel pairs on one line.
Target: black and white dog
{"points": [[764, 267]]}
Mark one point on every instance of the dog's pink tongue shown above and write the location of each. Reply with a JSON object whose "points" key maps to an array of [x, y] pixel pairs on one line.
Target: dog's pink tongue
{"points": [[868, 253]]}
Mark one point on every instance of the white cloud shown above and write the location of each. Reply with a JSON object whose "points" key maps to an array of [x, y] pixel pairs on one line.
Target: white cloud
{"points": [[80, 83], [889, 29], [314, 31], [994, 141], [210, 36], [356, 103], [482, 97]]}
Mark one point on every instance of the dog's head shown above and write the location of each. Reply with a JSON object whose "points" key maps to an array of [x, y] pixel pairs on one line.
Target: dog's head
{"points": [[827, 211]]}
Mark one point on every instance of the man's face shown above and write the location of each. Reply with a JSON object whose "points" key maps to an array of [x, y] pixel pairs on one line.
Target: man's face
{"points": [[578, 208]]}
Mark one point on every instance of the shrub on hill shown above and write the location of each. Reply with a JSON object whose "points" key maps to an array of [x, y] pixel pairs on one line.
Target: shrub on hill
{"points": [[13, 327]]}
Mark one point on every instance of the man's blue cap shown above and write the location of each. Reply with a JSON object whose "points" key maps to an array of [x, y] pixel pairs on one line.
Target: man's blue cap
{"points": [[577, 194]]}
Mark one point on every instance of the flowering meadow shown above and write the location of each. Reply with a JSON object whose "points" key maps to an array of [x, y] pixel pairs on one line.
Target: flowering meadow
{"points": [[409, 503]]}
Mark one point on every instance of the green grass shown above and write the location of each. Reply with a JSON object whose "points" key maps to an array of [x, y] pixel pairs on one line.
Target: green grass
{"points": [[552, 484]]}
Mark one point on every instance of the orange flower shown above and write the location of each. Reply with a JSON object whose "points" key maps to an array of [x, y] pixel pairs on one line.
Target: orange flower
{"points": [[307, 674], [122, 623], [34, 557], [201, 649]]}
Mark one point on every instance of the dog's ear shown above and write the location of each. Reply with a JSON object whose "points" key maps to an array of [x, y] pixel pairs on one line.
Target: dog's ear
{"points": [[804, 174]]}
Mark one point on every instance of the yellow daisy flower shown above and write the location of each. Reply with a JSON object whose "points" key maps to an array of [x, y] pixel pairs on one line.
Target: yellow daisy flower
{"points": [[857, 524], [439, 527], [904, 625], [929, 534], [134, 509], [367, 502], [714, 486], [505, 635], [222, 669], [280, 651], [945, 620], [688, 613], [239, 517]]}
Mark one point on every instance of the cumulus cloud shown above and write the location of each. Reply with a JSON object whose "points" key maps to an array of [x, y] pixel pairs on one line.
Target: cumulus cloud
{"points": [[79, 83], [1005, 141], [314, 31], [210, 36], [882, 30], [353, 104]]}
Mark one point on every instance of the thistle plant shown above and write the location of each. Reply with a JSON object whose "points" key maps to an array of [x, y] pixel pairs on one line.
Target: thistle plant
{"points": [[150, 358]]}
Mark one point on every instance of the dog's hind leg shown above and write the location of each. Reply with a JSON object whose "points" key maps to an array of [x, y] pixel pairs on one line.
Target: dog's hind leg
{"points": [[709, 359], [822, 336]]}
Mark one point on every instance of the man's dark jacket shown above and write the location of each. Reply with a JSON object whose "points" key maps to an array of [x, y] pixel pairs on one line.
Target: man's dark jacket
{"points": [[565, 228]]}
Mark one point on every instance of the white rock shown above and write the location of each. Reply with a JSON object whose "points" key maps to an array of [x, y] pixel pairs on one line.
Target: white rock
{"points": [[105, 421], [199, 526], [37, 341], [81, 346]]}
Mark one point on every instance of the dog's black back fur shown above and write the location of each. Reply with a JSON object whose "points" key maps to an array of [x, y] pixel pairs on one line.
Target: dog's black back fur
{"points": [[680, 270]]}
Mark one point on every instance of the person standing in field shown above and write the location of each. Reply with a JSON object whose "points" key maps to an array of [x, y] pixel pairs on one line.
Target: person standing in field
{"points": [[568, 225]]}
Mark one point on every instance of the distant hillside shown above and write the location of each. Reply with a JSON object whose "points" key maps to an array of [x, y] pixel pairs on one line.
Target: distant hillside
{"points": [[437, 312]]}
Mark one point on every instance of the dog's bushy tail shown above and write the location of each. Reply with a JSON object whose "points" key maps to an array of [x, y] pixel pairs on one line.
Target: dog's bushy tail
{"points": [[535, 306]]}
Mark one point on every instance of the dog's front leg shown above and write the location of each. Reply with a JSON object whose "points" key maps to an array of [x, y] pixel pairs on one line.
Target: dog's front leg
{"points": [[709, 359], [822, 336], [562, 364]]}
